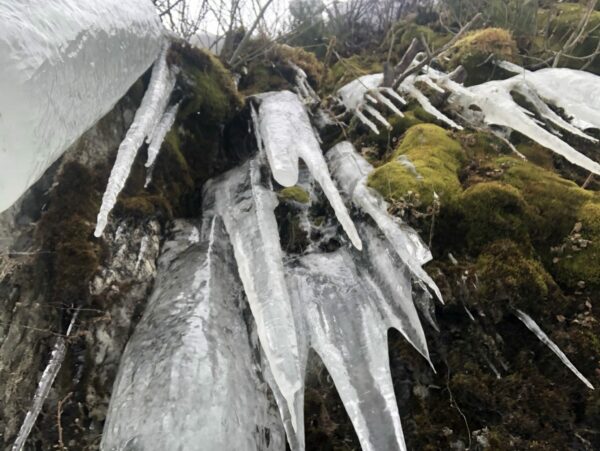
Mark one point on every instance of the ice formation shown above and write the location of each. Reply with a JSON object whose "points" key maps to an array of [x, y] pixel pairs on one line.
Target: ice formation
{"points": [[533, 327], [189, 377], [63, 65], [247, 210], [350, 170], [147, 119], [341, 318], [45, 384], [284, 130], [362, 93], [575, 92], [340, 304]]}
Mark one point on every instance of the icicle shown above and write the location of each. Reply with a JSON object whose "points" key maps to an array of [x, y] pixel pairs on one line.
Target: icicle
{"points": [[533, 327], [347, 331], [499, 108], [350, 171], [45, 384], [247, 210], [285, 132], [390, 280], [193, 381], [303, 88], [407, 86], [144, 123], [161, 130]]}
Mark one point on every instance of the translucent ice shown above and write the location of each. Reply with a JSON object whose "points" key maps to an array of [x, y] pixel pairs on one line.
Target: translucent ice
{"points": [[285, 132], [146, 120], [533, 327], [63, 65], [247, 210], [189, 376], [350, 171], [344, 326]]}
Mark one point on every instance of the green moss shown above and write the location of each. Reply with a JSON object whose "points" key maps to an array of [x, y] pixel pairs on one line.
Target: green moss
{"points": [[493, 211], [580, 260], [477, 51], [436, 157], [294, 193], [272, 71], [554, 200], [210, 91], [507, 275], [65, 231]]}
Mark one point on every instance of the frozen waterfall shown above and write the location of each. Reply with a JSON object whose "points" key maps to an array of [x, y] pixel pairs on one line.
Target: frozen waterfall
{"points": [[340, 304], [63, 65]]}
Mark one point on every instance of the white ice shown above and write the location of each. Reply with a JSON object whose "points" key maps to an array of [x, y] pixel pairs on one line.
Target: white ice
{"points": [[344, 325], [286, 134], [146, 120], [63, 65]]}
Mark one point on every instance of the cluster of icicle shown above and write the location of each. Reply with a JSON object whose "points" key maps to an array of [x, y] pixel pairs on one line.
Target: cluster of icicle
{"points": [[151, 123], [340, 304], [492, 105]]}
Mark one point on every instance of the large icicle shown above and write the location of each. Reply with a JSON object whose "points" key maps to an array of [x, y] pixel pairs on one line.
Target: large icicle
{"points": [[495, 101], [247, 210], [188, 378], [285, 131], [576, 92], [350, 171], [533, 327], [63, 65], [45, 384], [346, 329], [144, 123]]}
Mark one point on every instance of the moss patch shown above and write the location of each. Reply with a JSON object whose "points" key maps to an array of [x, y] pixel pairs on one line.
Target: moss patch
{"points": [[477, 51], [494, 211], [436, 158], [294, 193]]}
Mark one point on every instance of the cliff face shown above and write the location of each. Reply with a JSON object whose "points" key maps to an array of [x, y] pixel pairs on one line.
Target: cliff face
{"points": [[505, 233]]}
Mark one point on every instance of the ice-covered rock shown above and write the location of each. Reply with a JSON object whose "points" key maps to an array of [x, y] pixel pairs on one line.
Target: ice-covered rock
{"points": [[189, 376], [63, 65]]}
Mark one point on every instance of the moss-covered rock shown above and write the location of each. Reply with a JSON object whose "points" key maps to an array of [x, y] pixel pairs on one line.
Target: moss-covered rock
{"points": [[494, 211], [578, 264], [426, 162], [509, 276], [478, 50], [347, 69], [295, 194], [272, 71]]}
